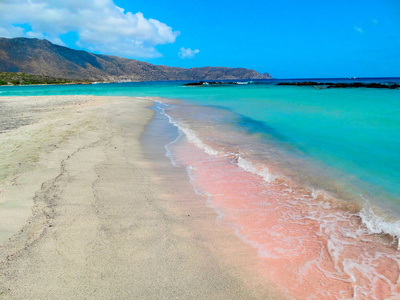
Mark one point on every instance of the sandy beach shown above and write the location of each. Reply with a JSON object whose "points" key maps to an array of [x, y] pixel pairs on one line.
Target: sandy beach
{"points": [[85, 214]]}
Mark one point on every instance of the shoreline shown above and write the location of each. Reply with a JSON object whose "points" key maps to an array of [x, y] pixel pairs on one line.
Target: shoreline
{"points": [[104, 224], [299, 233]]}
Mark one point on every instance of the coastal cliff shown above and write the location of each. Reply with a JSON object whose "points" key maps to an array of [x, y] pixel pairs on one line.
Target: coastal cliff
{"points": [[41, 57]]}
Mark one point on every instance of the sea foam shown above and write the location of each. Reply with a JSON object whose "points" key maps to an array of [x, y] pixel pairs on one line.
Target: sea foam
{"points": [[377, 224], [285, 222]]}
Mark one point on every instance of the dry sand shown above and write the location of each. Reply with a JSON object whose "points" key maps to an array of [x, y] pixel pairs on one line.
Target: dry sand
{"points": [[84, 214]]}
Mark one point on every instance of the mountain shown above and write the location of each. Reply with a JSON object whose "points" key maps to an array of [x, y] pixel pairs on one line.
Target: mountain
{"points": [[40, 57]]}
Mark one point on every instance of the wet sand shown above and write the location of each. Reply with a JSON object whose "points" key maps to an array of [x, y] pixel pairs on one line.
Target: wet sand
{"points": [[85, 214]]}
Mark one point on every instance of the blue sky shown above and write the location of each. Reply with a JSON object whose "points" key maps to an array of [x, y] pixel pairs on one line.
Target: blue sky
{"points": [[289, 39]]}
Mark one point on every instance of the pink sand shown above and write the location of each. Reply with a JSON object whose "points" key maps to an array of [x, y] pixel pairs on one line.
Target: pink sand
{"points": [[309, 247]]}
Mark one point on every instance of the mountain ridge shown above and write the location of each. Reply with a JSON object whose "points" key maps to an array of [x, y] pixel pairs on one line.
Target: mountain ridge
{"points": [[41, 57]]}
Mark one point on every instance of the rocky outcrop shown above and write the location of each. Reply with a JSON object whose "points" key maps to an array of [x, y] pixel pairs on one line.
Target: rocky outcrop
{"points": [[40, 57], [330, 85]]}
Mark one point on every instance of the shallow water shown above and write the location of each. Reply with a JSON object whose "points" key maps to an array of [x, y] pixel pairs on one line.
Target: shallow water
{"points": [[313, 241]]}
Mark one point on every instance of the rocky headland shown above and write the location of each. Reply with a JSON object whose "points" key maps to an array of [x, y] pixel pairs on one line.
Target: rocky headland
{"points": [[41, 57]]}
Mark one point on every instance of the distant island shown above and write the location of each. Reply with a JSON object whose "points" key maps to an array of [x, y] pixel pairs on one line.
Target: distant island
{"points": [[42, 58], [330, 85]]}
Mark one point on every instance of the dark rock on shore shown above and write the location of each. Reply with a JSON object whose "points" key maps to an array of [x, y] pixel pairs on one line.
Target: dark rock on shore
{"points": [[329, 85]]}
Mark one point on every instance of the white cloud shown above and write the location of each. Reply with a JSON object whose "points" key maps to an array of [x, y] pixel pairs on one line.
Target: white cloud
{"points": [[101, 25], [187, 53], [11, 32], [358, 29]]}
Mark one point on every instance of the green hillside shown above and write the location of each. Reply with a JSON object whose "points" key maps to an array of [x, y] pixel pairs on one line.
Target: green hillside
{"points": [[19, 78]]}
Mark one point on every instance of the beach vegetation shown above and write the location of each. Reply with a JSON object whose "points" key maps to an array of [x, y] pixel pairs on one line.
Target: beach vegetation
{"points": [[19, 78]]}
